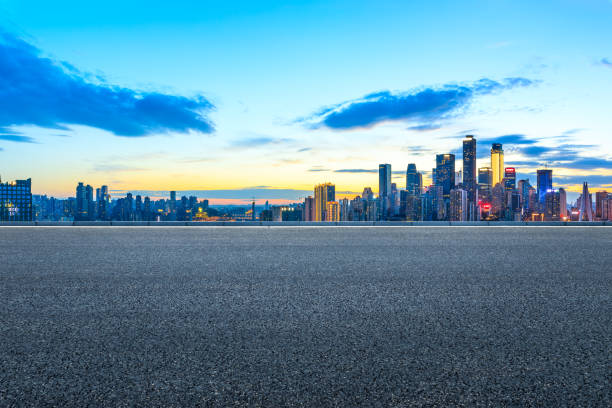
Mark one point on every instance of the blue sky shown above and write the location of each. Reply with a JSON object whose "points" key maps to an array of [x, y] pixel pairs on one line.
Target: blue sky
{"points": [[267, 97]]}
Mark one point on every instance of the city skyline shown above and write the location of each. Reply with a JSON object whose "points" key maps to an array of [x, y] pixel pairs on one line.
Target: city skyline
{"points": [[249, 114]]}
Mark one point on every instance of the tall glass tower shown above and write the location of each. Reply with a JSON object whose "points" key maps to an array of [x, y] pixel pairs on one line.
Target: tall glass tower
{"points": [[445, 173], [469, 167], [544, 184], [384, 180], [413, 180], [497, 163]]}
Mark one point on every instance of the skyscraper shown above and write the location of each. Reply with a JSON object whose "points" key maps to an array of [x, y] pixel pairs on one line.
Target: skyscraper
{"points": [[82, 204], [586, 204], [469, 167], [309, 209], [332, 212], [563, 203], [544, 185], [384, 180], [497, 163], [16, 201], [552, 206], [445, 173], [600, 196], [485, 178], [323, 193], [414, 179], [510, 178], [458, 205]]}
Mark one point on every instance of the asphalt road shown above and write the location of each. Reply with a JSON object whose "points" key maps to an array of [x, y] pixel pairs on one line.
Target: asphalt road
{"points": [[432, 316]]}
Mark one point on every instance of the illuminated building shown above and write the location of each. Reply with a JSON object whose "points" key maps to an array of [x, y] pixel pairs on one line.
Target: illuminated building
{"points": [[16, 201], [410, 206], [562, 203], [510, 178], [445, 173], [524, 187], [414, 179], [544, 184], [552, 207], [323, 193], [498, 201], [384, 190], [458, 205], [586, 204], [332, 212], [485, 178], [384, 180], [497, 163], [470, 182], [85, 206]]}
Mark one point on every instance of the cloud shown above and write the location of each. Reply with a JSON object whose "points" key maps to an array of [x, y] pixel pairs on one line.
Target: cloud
{"points": [[595, 179], [17, 138], [425, 127], [514, 139], [356, 171], [423, 105], [316, 170], [606, 62], [259, 141], [304, 149], [35, 90], [110, 168]]}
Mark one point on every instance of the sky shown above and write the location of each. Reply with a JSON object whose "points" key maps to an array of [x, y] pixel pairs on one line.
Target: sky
{"points": [[238, 100]]}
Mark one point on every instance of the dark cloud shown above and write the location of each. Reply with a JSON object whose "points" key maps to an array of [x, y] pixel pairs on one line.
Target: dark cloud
{"points": [[606, 62], [39, 91], [514, 139], [305, 149], [356, 171], [425, 127], [316, 170], [594, 179], [423, 106], [15, 137]]}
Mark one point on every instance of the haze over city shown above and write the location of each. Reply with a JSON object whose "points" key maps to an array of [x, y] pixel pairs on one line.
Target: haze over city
{"points": [[268, 99]]}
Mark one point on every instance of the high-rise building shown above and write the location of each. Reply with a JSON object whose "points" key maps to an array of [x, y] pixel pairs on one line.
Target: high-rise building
{"points": [[445, 173], [323, 193], [498, 201], [332, 212], [469, 167], [497, 163], [16, 201], [552, 206], [510, 178], [384, 180], [600, 196], [414, 179], [384, 190], [586, 204], [309, 209], [562, 203], [485, 178], [458, 205], [523, 188], [84, 199], [544, 184]]}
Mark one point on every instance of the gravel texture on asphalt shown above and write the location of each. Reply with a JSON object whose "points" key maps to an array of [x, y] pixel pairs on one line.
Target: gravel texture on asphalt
{"points": [[401, 317]]}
